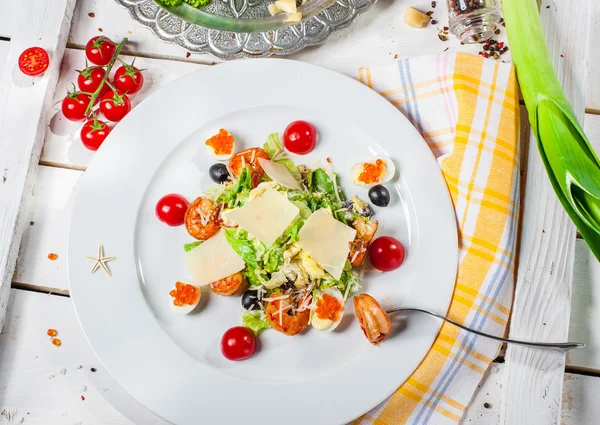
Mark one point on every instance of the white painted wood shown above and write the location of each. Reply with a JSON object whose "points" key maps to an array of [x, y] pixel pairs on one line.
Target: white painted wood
{"points": [[542, 300], [580, 400], [593, 60], [24, 103], [62, 145], [585, 311], [7, 17], [4, 48], [592, 129], [42, 383]]}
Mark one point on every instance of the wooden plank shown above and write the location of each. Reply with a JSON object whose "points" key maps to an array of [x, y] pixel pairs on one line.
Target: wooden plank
{"points": [[62, 145], [542, 301], [580, 403], [7, 18], [592, 82], [591, 126], [44, 384], [24, 102], [4, 48]]}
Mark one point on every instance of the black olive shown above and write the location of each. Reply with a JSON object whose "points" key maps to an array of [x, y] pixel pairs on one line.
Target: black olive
{"points": [[250, 300], [379, 195], [218, 173]]}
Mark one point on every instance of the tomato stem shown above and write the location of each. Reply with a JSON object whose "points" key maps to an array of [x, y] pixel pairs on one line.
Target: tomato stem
{"points": [[105, 78]]}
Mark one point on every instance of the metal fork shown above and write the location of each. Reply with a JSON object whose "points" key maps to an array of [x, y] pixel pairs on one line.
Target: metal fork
{"points": [[563, 346]]}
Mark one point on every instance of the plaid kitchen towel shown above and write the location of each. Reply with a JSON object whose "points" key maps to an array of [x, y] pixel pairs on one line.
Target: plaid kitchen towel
{"points": [[467, 110]]}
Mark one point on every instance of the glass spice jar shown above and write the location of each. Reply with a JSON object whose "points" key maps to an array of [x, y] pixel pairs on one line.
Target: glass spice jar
{"points": [[473, 21]]}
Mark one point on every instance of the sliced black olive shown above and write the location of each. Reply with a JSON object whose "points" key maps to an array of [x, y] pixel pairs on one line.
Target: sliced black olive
{"points": [[379, 195], [250, 299], [218, 173]]}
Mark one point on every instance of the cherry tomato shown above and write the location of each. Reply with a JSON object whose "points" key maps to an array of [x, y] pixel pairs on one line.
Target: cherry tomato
{"points": [[171, 208], [114, 106], [74, 106], [90, 78], [386, 253], [238, 343], [300, 137], [34, 61], [100, 50], [93, 134], [128, 79]]}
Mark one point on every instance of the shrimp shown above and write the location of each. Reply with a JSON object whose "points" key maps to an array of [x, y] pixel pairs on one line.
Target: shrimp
{"points": [[364, 235], [236, 284], [373, 320], [201, 218], [282, 319], [248, 158]]}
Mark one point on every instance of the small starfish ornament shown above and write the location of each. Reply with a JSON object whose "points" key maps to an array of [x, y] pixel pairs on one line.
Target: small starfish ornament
{"points": [[101, 261]]}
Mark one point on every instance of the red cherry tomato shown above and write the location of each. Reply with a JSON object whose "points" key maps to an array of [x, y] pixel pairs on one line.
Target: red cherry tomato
{"points": [[100, 50], [90, 78], [238, 343], [74, 106], [93, 134], [300, 137], [128, 79], [386, 253], [34, 61], [114, 106], [171, 208]]}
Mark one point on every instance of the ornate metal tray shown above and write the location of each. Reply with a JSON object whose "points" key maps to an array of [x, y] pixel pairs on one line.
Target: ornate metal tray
{"points": [[232, 45]]}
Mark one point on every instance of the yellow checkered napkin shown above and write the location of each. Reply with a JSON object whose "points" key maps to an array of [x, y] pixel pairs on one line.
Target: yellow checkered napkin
{"points": [[466, 108]]}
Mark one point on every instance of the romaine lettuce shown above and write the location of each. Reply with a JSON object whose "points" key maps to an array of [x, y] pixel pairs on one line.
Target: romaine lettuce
{"points": [[275, 151], [256, 321]]}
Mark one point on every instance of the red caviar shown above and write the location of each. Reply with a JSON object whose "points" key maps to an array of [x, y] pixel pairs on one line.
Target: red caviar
{"points": [[52, 256], [184, 294], [222, 143], [372, 173], [56, 341], [328, 307], [51, 332]]}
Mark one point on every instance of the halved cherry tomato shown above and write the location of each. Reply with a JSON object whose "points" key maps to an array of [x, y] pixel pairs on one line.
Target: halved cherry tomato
{"points": [[386, 253], [100, 50], [34, 61], [74, 106], [171, 208], [249, 158], [93, 134], [128, 78], [114, 106], [90, 78], [300, 137], [238, 343]]}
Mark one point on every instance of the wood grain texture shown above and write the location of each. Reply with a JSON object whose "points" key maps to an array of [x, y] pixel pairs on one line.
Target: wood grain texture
{"points": [[593, 61], [24, 102], [542, 302]]}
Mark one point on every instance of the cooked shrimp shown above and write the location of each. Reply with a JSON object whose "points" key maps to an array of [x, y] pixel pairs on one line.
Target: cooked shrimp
{"points": [[364, 235], [236, 284], [248, 158], [373, 320], [282, 318], [201, 218]]}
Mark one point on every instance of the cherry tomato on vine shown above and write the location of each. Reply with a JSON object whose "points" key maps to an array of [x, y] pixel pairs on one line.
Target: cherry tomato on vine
{"points": [[100, 50], [171, 208], [238, 343], [115, 105], [74, 106], [34, 61], [90, 78], [93, 134], [128, 78], [386, 253], [300, 137]]}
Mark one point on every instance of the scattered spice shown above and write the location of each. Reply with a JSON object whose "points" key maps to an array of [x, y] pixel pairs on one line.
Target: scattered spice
{"points": [[188, 54], [52, 256], [92, 15], [446, 49], [487, 405], [497, 31], [82, 398], [464, 6], [100, 30], [442, 37], [31, 223], [493, 49], [446, 28], [547, 7], [396, 56], [433, 4], [562, 56], [429, 13], [328, 160], [433, 22], [92, 369], [56, 341], [51, 332]]}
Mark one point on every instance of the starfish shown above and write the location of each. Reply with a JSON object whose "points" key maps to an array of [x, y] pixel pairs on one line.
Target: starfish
{"points": [[101, 261]]}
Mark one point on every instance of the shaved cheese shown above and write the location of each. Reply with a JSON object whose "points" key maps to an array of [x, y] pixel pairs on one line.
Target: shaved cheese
{"points": [[279, 174], [266, 216], [288, 6], [213, 260], [327, 241]]}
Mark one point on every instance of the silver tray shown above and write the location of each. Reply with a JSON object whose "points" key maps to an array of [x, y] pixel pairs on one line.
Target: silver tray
{"points": [[231, 45]]}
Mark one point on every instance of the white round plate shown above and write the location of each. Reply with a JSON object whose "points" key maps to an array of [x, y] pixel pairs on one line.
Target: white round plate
{"points": [[172, 364]]}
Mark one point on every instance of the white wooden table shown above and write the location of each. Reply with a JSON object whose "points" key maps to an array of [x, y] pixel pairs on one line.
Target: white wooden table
{"points": [[44, 384]]}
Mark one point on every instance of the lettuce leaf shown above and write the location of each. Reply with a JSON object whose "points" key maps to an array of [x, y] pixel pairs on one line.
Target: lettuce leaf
{"points": [[256, 321], [238, 239], [242, 187], [189, 246], [274, 148]]}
